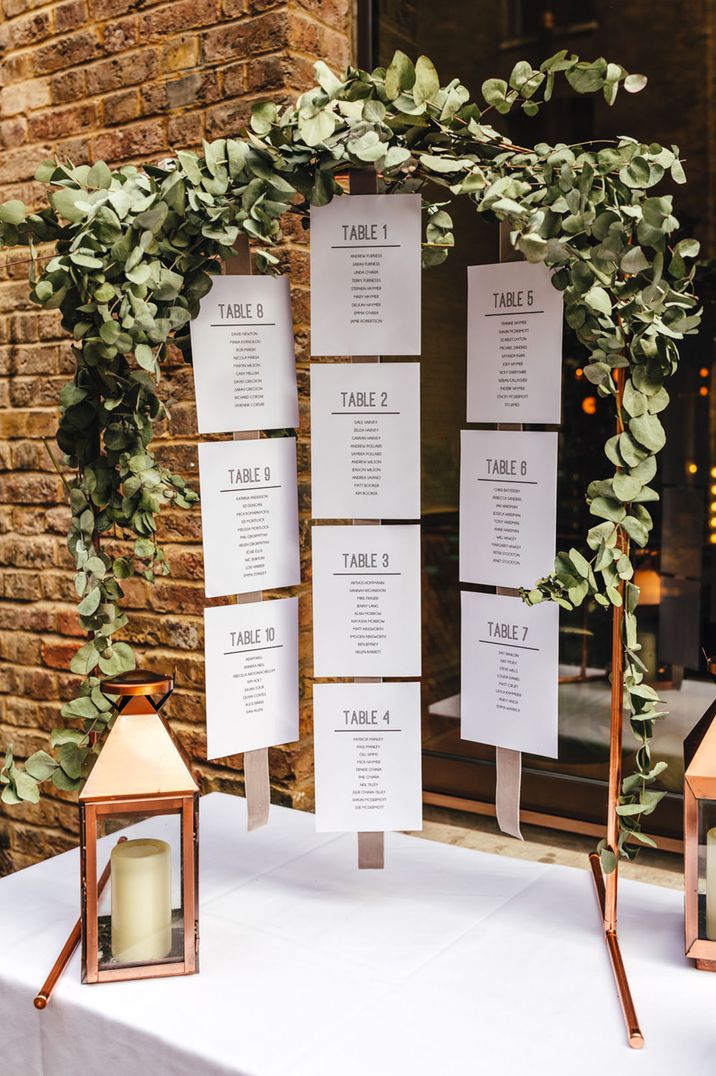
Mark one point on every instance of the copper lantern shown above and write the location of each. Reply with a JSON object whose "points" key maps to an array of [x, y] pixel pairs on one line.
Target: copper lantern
{"points": [[143, 923], [700, 841]]}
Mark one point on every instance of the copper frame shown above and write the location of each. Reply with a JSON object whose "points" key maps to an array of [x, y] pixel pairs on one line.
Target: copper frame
{"points": [[90, 815], [140, 771], [699, 785]]}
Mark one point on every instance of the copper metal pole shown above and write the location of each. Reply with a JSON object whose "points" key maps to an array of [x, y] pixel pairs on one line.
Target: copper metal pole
{"points": [[634, 1034], [606, 892], [42, 998]]}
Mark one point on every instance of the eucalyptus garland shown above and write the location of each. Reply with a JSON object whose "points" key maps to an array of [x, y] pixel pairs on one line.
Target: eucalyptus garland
{"points": [[132, 252]]}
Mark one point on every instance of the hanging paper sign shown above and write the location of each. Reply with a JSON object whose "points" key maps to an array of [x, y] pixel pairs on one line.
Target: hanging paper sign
{"points": [[365, 440], [367, 757], [509, 658], [251, 676], [365, 275], [508, 506], [514, 344], [243, 356], [366, 601], [249, 514]]}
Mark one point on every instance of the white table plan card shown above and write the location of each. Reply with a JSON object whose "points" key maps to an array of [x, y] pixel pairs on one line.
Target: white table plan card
{"points": [[249, 515], [251, 655], [509, 661], [514, 344], [366, 275], [365, 440], [243, 356], [367, 757], [366, 600], [508, 506]]}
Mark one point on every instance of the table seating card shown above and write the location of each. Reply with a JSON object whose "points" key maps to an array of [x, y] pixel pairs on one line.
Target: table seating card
{"points": [[509, 659], [366, 601], [365, 440], [249, 514], [367, 757], [251, 676], [366, 275], [243, 356], [508, 506], [514, 344]]}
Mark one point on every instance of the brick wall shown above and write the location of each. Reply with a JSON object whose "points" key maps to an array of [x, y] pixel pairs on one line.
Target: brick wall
{"points": [[124, 81]]}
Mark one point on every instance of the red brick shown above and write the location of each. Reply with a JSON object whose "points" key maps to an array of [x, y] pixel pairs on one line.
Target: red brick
{"points": [[60, 122], [194, 69], [181, 52], [58, 655], [70, 49], [26, 30], [70, 15], [129, 69], [121, 35], [176, 16], [109, 9], [138, 140], [13, 132], [265, 33], [68, 86]]}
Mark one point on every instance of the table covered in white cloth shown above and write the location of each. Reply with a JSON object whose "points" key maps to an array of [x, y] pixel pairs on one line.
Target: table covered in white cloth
{"points": [[449, 961]]}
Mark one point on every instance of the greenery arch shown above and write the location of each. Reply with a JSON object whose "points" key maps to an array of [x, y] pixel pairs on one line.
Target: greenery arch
{"points": [[133, 251]]}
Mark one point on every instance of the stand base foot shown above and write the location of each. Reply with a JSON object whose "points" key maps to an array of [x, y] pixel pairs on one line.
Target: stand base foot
{"points": [[634, 1034], [706, 965]]}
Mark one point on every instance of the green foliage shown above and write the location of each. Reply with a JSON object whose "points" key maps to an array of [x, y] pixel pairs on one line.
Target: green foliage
{"points": [[135, 250]]}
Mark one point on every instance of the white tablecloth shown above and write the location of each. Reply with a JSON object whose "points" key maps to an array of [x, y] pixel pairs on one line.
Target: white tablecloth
{"points": [[449, 961]]}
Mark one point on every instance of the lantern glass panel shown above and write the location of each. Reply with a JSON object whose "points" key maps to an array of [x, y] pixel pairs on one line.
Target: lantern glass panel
{"points": [[707, 870], [140, 912]]}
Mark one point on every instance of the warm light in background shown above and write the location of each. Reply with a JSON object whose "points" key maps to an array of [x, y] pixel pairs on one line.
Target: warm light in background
{"points": [[713, 474], [712, 539], [649, 583], [703, 391], [703, 372], [579, 372], [692, 468], [589, 405]]}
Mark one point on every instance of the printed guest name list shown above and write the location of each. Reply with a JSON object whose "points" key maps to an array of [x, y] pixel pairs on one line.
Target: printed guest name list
{"points": [[249, 514], [514, 344], [243, 356], [509, 665], [366, 601], [251, 676], [365, 440], [508, 506], [367, 757], [366, 275]]}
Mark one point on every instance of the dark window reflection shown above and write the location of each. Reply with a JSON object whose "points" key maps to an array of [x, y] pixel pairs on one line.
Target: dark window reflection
{"points": [[678, 610]]}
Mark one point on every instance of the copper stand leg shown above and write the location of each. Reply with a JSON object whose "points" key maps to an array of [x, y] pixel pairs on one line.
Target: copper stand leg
{"points": [[607, 891], [636, 1039]]}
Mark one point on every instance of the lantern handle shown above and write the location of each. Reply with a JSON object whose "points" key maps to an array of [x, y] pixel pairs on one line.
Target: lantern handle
{"points": [[137, 682]]}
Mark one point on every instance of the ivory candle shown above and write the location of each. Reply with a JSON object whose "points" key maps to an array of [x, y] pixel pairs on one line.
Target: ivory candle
{"points": [[141, 901]]}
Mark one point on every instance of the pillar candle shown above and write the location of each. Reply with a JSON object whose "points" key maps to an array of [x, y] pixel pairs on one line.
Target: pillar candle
{"points": [[141, 901], [711, 884]]}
